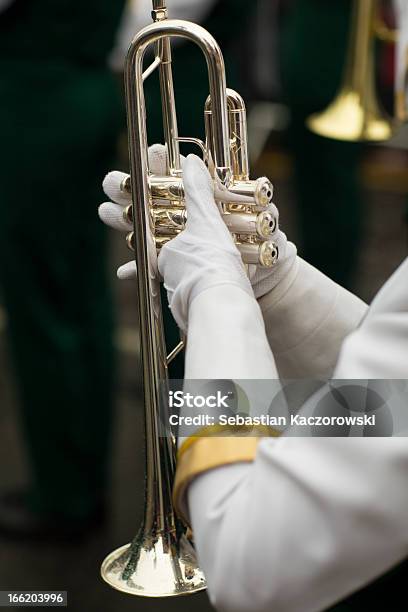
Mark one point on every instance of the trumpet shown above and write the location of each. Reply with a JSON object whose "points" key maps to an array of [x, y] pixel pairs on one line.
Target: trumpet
{"points": [[356, 113], [161, 561]]}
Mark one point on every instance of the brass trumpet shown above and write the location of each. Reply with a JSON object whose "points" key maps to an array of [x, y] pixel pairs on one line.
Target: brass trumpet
{"points": [[356, 114], [161, 561]]}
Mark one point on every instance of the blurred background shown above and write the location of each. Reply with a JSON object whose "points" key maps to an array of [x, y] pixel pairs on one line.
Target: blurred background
{"points": [[71, 438]]}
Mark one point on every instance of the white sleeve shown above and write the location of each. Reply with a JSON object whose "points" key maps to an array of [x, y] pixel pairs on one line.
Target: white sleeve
{"points": [[379, 347], [307, 322], [226, 337], [304, 525], [312, 520]]}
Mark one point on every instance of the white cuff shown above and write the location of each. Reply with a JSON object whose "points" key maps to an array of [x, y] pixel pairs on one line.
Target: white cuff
{"points": [[306, 322]]}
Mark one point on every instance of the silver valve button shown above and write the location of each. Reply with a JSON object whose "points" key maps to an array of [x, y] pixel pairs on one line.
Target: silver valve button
{"points": [[268, 254], [265, 224]]}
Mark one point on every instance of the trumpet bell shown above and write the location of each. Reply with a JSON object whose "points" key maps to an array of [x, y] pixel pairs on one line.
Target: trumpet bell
{"points": [[353, 119], [163, 566], [355, 114]]}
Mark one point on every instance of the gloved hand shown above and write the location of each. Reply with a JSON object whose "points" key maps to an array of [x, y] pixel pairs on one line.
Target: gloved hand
{"points": [[263, 280], [307, 316], [203, 255], [111, 213]]}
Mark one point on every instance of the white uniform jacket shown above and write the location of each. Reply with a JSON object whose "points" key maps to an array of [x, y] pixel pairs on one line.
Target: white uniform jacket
{"points": [[294, 524]]}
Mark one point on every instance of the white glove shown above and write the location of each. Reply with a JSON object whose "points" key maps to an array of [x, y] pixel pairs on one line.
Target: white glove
{"points": [[307, 316], [203, 255], [263, 280], [111, 213]]}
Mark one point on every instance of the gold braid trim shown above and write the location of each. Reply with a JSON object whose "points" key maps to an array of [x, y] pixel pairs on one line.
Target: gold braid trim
{"points": [[220, 431], [200, 454]]}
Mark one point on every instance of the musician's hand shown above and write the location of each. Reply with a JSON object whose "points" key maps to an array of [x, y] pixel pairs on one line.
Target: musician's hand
{"points": [[111, 213], [263, 280], [203, 255]]}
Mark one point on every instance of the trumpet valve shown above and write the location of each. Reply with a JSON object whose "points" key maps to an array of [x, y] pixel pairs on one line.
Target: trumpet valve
{"points": [[125, 186], [263, 193], [128, 213], [268, 254], [264, 254], [265, 224], [130, 241]]}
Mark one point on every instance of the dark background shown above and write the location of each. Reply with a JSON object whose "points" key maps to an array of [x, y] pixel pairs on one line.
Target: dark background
{"points": [[382, 245], [75, 568]]}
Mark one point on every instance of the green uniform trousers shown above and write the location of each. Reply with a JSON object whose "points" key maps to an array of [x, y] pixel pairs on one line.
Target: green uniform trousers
{"points": [[59, 126]]}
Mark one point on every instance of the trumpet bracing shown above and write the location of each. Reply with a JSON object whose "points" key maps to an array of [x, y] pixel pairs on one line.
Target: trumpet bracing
{"points": [[161, 561]]}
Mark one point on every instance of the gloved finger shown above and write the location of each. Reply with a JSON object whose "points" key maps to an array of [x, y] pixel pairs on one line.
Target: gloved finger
{"points": [[281, 242], [158, 159], [112, 215], [111, 186], [113, 180], [127, 271], [199, 191]]}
